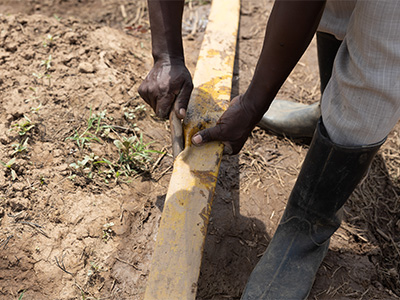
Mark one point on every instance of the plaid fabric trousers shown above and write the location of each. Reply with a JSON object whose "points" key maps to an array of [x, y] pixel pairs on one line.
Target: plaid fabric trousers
{"points": [[361, 103]]}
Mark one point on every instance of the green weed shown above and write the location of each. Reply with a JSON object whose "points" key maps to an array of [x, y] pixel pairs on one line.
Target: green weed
{"points": [[35, 110], [47, 63], [134, 156], [49, 40], [20, 147], [95, 269], [40, 75], [24, 127], [95, 123], [86, 165], [8, 165], [21, 295], [83, 138], [108, 231], [131, 114]]}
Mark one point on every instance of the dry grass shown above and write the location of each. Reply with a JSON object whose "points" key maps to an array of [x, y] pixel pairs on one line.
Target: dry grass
{"points": [[375, 206]]}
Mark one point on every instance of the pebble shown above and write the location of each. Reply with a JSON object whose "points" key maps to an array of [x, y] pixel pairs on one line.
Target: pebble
{"points": [[85, 67], [18, 204], [71, 37], [11, 47]]}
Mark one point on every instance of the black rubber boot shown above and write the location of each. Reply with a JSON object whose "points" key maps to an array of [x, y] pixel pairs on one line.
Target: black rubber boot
{"points": [[296, 120], [328, 176]]}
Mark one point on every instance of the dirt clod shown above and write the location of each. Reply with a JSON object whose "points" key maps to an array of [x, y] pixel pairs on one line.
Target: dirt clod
{"points": [[85, 67]]}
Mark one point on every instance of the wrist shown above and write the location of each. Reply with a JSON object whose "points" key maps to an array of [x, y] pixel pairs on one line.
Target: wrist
{"points": [[168, 58], [256, 102]]}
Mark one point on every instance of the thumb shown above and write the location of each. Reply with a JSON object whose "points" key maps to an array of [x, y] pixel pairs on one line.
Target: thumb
{"points": [[209, 135]]}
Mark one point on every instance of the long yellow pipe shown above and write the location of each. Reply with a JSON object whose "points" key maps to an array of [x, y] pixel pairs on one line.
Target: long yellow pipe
{"points": [[180, 240]]}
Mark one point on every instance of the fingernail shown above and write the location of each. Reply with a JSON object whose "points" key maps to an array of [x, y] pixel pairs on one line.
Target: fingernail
{"points": [[197, 139], [182, 112]]}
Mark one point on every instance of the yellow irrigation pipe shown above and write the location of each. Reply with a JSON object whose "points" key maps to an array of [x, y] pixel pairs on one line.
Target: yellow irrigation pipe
{"points": [[180, 240]]}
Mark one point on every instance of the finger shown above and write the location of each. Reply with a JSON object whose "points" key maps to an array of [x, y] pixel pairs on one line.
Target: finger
{"points": [[142, 90], [163, 106], [147, 96], [207, 135], [182, 99]]}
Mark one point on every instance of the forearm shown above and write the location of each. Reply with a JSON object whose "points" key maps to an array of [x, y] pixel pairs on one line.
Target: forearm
{"points": [[166, 33], [290, 29]]}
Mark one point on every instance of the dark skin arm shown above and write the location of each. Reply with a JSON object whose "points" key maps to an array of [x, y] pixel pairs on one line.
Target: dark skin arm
{"points": [[169, 84], [290, 29]]}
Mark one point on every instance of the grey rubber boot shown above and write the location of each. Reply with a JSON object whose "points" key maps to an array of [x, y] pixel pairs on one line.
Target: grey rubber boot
{"points": [[297, 120], [328, 176], [291, 119]]}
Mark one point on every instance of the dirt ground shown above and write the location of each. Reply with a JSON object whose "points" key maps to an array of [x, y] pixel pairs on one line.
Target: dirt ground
{"points": [[80, 208]]}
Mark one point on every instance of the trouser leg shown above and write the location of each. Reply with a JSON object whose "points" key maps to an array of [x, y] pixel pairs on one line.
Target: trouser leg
{"points": [[361, 103]]}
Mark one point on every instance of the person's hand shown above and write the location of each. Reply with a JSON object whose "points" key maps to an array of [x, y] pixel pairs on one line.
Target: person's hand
{"points": [[232, 129], [168, 83]]}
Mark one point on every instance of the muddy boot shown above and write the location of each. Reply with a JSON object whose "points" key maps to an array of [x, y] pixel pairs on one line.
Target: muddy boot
{"points": [[328, 176], [291, 119], [296, 120]]}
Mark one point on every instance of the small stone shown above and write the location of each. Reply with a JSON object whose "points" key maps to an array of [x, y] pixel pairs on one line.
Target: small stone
{"points": [[28, 55], [18, 204], [71, 37], [11, 47], [18, 186], [57, 153], [85, 67]]}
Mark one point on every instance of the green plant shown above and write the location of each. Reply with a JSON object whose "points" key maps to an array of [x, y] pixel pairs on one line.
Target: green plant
{"points": [[108, 231], [49, 40], [36, 109], [40, 75], [8, 165], [94, 269], [82, 139], [47, 63], [20, 147], [134, 154], [42, 179], [72, 177], [21, 295], [95, 123], [24, 127], [130, 113], [86, 165]]}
